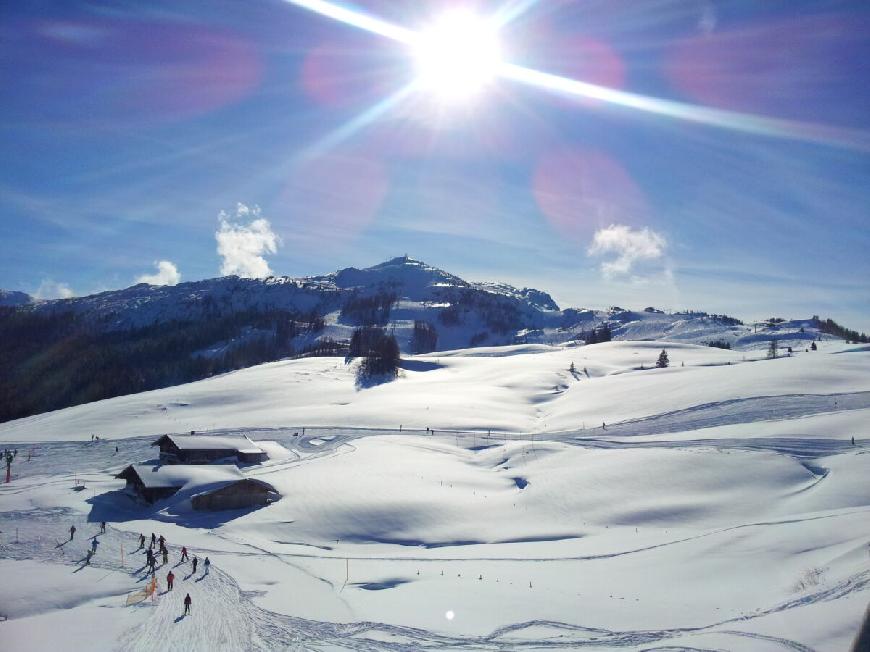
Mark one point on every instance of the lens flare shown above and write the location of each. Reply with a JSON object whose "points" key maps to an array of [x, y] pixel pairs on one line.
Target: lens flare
{"points": [[856, 139], [457, 57]]}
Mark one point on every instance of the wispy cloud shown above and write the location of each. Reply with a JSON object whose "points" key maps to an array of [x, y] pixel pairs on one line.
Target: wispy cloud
{"points": [[167, 274], [629, 245], [242, 246], [50, 289]]}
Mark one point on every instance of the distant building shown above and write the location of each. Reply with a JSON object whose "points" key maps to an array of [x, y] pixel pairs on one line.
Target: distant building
{"points": [[204, 449], [236, 495], [152, 483], [210, 488]]}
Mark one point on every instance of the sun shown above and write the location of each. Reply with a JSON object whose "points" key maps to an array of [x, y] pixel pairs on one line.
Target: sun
{"points": [[457, 57]]}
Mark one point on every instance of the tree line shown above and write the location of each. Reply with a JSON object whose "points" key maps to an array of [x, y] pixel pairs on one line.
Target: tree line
{"points": [[51, 361]]}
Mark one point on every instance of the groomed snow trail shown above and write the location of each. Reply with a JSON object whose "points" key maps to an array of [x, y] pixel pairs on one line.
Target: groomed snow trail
{"points": [[225, 618]]}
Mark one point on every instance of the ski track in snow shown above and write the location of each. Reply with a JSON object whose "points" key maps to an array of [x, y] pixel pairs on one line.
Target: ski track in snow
{"points": [[100, 455], [737, 411], [224, 618]]}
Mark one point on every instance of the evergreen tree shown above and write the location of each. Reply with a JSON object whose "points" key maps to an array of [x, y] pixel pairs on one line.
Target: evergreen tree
{"points": [[424, 338], [663, 361]]}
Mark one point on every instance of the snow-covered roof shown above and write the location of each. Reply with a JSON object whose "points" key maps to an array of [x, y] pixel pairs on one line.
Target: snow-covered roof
{"points": [[207, 442], [181, 475]]}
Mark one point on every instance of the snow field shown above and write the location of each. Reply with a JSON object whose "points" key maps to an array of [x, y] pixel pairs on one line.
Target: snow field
{"points": [[723, 507]]}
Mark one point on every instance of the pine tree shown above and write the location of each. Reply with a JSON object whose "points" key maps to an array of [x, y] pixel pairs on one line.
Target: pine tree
{"points": [[663, 361]]}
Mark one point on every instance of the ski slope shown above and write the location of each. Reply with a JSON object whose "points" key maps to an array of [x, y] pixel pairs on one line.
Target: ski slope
{"points": [[722, 506]]}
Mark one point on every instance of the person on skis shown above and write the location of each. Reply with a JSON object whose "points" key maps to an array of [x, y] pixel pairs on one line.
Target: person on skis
{"points": [[102, 527], [165, 556], [153, 538], [88, 557], [195, 562], [184, 553], [72, 532], [187, 602], [94, 544], [162, 540], [206, 564], [141, 541], [170, 578]]}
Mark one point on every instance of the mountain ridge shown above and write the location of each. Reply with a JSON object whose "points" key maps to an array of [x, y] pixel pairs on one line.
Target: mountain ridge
{"points": [[64, 352]]}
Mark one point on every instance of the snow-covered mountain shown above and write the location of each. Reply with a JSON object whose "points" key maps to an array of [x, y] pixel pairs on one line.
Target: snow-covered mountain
{"points": [[14, 298], [464, 313], [69, 351]]}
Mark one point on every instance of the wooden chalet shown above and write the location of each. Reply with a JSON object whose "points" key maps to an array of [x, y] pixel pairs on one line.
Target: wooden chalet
{"points": [[205, 449], [154, 482], [240, 494]]}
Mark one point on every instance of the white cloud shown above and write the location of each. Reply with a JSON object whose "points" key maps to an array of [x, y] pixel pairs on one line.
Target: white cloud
{"points": [[242, 246], [629, 245], [49, 289], [167, 274]]}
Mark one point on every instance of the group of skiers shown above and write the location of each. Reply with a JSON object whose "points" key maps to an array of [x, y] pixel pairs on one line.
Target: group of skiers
{"points": [[151, 562], [151, 557], [94, 541]]}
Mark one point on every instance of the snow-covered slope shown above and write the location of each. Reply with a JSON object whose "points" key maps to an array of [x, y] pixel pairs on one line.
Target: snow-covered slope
{"points": [[526, 388], [722, 506], [12, 298]]}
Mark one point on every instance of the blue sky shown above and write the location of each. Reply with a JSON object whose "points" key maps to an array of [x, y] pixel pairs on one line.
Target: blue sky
{"points": [[128, 127]]}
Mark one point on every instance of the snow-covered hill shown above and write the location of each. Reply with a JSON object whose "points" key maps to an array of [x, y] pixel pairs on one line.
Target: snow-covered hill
{"points": [[477, 502], [464, 313], [12, 298]]}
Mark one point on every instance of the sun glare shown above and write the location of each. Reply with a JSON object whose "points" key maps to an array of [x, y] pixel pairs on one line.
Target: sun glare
{"points": [[457, 57]]}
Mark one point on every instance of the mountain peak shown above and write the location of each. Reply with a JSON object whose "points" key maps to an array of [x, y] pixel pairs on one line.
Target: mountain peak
{"points": [[400, 261]]}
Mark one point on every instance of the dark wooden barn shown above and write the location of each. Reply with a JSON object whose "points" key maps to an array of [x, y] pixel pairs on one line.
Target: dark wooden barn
{"points": [[204, 449], [155, 482], [240, 494], [148, 483]]}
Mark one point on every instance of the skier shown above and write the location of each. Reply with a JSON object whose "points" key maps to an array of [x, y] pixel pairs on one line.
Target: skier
{"points": [[94, 543], [153, 565], [88, 557], [187, 602], [141, 541], [72, 532], [116, 449], [169, 579], [165, 556], [195, 562], [153, 539], [162, 541], [853, 440], [603, 426], [102, 527], [207, 563], [183, 553]]}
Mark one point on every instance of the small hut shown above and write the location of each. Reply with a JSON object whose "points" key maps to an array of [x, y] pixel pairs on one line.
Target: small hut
{"points": [[148, 483], [204, 449], [239, 494], [152, 483]]}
